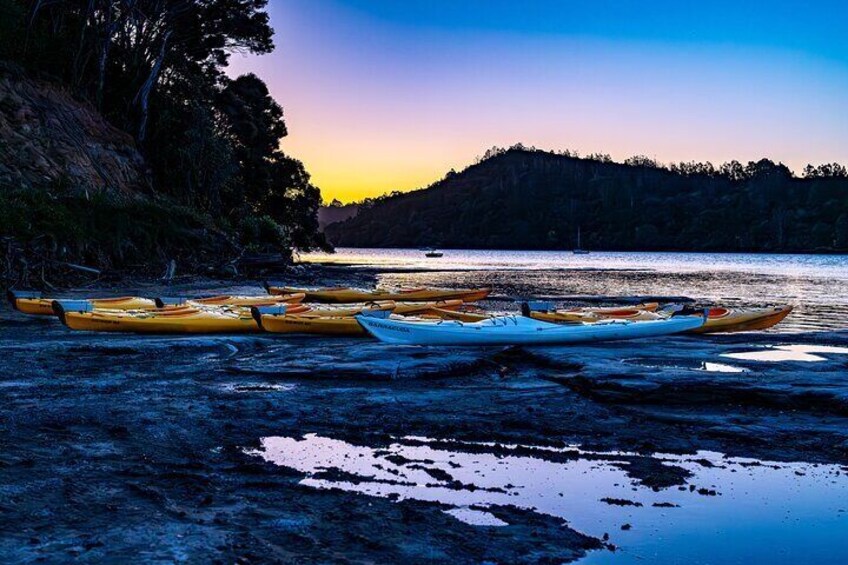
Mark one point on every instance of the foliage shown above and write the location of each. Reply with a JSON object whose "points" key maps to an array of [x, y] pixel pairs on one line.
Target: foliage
{"points": [[102, 233], [524, 198], [155, 68]]}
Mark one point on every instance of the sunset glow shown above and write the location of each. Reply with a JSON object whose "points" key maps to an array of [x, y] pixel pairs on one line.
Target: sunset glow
{"points": [[382, 95]]}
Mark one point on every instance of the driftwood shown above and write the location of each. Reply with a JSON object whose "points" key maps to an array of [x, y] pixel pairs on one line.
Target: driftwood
{"points": [[82, 268]]}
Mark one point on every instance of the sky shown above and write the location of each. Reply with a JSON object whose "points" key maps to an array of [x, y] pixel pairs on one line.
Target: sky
{"points": [[386, 95]]}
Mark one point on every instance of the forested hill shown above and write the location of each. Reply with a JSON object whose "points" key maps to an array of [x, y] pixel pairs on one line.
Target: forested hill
{"points": [[529, 199]]}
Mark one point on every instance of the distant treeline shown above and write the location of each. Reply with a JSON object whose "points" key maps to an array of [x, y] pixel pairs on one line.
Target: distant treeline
{"points": [[524, 198], [156, 69]]}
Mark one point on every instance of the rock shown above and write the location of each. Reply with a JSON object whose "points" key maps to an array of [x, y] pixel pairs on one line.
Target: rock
{"points": [[621, 502], [67, 142]]}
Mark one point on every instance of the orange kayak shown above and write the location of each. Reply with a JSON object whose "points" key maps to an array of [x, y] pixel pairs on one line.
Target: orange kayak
{"points": [[726, 320]]}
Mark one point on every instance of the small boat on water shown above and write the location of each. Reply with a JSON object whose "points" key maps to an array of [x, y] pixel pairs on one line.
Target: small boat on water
{"points": [[579, 249], [433, 254], [518, 330], [346, 295]]}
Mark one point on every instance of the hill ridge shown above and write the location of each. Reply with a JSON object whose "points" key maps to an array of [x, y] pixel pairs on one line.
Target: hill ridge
{"points": [[529, 199]]}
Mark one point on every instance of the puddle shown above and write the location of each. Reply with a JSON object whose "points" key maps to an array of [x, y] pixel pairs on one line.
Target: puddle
{"points": [[662, 363], [721, 368], [476, 517], [258, 387], [804, 353], [791, 510]]}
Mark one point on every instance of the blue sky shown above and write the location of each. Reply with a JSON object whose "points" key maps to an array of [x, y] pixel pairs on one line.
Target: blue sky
{"points": [[388, 95]]}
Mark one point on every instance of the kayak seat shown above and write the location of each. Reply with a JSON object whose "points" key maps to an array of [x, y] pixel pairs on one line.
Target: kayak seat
{"points": [[718, 312]]}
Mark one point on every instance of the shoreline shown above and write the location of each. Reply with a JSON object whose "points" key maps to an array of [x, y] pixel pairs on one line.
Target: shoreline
{"points": [[121, 444]]}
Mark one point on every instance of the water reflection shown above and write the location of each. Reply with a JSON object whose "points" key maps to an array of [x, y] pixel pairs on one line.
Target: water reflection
{"points": [[789, 505], [804, 353], [817, 285], [798, 264], [721, 368], [676, 363]]}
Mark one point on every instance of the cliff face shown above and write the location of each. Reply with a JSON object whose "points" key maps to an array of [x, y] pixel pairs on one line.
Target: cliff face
{"points": [[49, 139]]}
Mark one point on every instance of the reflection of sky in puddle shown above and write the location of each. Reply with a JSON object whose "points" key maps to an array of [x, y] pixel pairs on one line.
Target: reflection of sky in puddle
{"points": [[660, 363], [805, 353], [720, 368], [762, 512], [257, 387]]}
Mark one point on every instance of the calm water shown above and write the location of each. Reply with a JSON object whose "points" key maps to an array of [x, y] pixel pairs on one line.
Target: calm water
{"points": [[730, 510], [830, 266], [817, 285]]}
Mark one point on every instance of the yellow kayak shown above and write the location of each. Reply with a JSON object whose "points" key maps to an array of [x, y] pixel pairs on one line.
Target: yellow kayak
{"points": [[311, 324], [180, 320], [640, 312], [726, 320], [458, 315], [565, 316], [319, 321], [618, 311], [32, 303], [341, 321], [345, 295], [234, 300]]}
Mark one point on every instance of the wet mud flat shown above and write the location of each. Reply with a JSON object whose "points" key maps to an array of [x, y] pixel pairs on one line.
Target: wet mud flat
{"points": [[287, 449]]}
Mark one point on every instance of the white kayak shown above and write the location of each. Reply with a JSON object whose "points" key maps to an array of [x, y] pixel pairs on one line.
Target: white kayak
{"points": [[518, 330]]}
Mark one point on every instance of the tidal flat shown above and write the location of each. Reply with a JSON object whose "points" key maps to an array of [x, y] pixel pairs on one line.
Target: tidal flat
{"points": [[296, 448]]}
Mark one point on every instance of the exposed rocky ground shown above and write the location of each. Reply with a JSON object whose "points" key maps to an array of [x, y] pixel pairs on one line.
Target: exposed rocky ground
{"points": [[47, 137], [138, 447]]}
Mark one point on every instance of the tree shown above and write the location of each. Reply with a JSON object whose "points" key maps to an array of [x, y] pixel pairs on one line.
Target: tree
{"points": [[841, 232], [156, 69], [253, 123], [828, 170], [733, 170]]}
